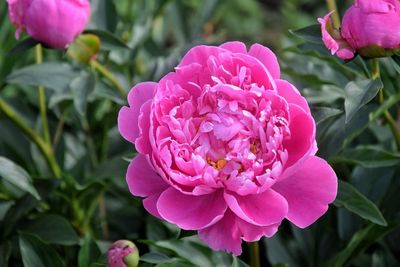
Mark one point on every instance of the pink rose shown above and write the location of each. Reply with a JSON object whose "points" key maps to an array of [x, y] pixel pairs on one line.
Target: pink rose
{"points": [[226, 147], [55, 23], [369, 27]]}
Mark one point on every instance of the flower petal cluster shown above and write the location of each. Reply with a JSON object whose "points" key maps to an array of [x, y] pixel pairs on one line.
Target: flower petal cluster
{"points": [[226, 147], [369, 27], [55, 23]]}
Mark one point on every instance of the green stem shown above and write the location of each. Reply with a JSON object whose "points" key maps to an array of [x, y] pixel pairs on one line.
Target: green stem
{"points": [[109, 76], [381, 99], [254, 252], [335, 16], [42, 98], [44, 147]]}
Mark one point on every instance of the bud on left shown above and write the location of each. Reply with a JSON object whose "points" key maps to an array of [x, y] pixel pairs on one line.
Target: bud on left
{"points": [[54, 23]]}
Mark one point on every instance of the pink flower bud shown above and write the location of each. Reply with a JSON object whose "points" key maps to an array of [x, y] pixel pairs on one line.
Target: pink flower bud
{"points": [[53, 22], [123, 253], [369, 27]]}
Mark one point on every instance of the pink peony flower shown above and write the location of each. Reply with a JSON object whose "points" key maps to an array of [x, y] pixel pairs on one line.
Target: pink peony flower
{"points": [[226, 147], [123, 253], [370, 27], [55, 23]]}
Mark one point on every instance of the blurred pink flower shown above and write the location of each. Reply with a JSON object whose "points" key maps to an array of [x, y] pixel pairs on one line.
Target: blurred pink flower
{"points": [[370, 27], [226, 147], [53, 22]]}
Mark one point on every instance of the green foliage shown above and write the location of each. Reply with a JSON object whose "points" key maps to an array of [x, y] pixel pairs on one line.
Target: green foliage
{"points": [[72, 219]]}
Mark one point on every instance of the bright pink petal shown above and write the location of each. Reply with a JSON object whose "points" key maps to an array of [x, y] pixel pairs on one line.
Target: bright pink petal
{"points": [[128, 117], [291, 94], [302, 135], [142, 143], [252, 233], [235, 46], [150, 204], [267, 57], [223, 235], [372, 6], [263, 209], [142, 180], [200, 54], [308, 191], [191, 212]]}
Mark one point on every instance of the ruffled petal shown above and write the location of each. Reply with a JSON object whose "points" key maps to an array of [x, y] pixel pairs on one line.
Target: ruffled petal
{"points": [[191, 212], [308, 191], [291, 94], [267, 57], [263, 209], [235, 46], [142, 180]]}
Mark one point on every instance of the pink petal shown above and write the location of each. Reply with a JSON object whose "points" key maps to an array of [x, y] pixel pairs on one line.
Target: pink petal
{"points": [[235, 46], [142, 143], [252, 233], [223, 235], [263, 209], [308, 191], [267, 57], [200, 54], [302, 135], [291, 94], [142, 180], [128, 117], [372, 6], [191, 212], [150, 204]]}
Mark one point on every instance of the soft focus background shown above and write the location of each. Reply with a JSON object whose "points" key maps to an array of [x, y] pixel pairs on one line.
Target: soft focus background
{"points": [[71, 221]]}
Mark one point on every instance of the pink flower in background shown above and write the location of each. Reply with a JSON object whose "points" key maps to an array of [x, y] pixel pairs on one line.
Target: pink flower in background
{"points": [[55, 23], [226, 147], [370, 27], [123, 253]]}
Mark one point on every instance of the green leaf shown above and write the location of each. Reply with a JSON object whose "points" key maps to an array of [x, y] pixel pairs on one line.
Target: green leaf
{"points": [[36, 253], [392, 100], [310, 33], [108, 40], [81, 87], [22, 46], [17, 176], [351, 199], [154, 257], [53, 75], [104, 15], [236, 262], [360, 241], [54, 229], [89, 252], [369, 157], [359, 94], [175, 262], [321, 114]]}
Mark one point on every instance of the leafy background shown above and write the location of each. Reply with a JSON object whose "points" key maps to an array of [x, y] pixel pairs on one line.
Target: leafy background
{"points": [[71, 220]]}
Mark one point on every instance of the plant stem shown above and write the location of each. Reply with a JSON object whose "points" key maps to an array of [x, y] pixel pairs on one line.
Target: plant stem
{"points": [[109, 76], [254, 252], [42, 98], [381, 99], [335, 16], [45, 148]]}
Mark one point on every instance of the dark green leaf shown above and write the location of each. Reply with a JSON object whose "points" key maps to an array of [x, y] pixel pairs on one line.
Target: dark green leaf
{"points": [[236, 262], [23, 45], [81, 87], [154, 257], [104, 15], [358, 94], [89, 252], [61, 75], [17, 176], [310, 33], [369, 157], [360, 241], [5, 253], [54, 229], [36, 253], [351, 199], [321, 114], [175, 263], [108, 40]]}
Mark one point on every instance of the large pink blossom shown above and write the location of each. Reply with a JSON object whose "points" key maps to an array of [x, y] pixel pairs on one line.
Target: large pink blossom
{"points": [[369, 27], [226, 147], [56, 23]]}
